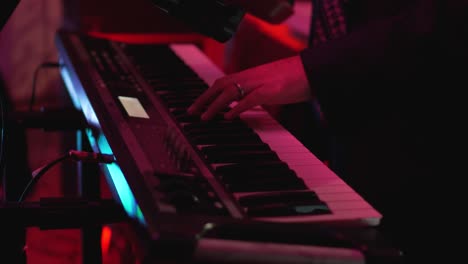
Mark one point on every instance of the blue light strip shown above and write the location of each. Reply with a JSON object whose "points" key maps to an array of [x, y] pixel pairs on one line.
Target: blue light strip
{"points": [[120, 184], [69, 85], [124, 192]]}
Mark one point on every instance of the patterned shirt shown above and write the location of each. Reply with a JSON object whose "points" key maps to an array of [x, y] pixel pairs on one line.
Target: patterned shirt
{"points": [[328, 20]]}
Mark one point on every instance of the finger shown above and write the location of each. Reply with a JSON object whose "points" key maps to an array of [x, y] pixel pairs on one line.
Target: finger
{"points": [[202, 101], [205, 98], [221, 102], [251, 100]]}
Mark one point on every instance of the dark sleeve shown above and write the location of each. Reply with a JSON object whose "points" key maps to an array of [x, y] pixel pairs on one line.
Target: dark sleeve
{"points": [[369, 72], [6, 9]]}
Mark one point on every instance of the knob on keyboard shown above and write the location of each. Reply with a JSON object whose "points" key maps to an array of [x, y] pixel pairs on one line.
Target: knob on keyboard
{"points": [[189, 193]]}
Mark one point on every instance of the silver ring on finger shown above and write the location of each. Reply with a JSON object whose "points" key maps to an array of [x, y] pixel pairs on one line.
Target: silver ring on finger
{"points": [[240, 90]]}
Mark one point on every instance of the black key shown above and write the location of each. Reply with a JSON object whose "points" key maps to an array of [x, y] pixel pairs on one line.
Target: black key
{"points": [[209, 139], [242, 156], [219, 125], [178, 103], [250, 175], [214, 149], [170, 85], [283, 203], [184, 117], [260, 199], [258, 168], [169, 97], [288, 210], [267, 184], [219, 131]]}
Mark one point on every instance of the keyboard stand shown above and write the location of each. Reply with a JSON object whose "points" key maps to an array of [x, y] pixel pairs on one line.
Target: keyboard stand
{"points": [[88, 212], [52, 214]]}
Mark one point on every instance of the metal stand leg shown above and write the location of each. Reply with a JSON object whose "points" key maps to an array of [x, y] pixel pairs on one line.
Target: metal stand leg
{"points": [[89, 188], [54, 213], [15, 174]]}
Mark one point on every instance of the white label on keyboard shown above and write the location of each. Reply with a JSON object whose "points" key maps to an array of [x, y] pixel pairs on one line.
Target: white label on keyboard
{"points": [[133, 107]]}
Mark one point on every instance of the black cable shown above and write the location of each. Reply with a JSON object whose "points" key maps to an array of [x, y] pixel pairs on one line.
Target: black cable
{"points": [[4, 106], [2, 134], [34, 83], [74, 155], [3, 161], [36, 175]]}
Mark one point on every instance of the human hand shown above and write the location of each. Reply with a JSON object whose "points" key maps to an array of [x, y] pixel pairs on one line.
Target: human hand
{"points": [[280, 82], [273, 11]]}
